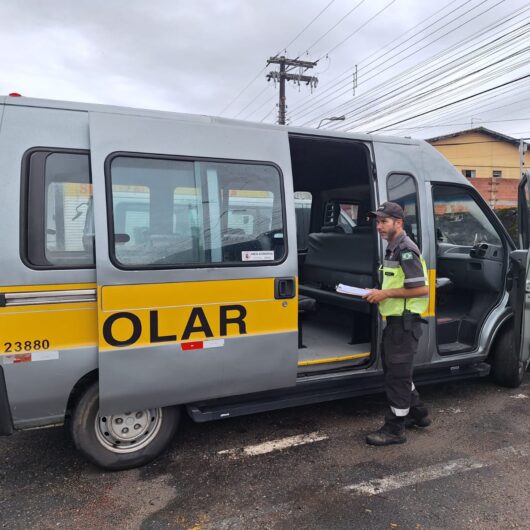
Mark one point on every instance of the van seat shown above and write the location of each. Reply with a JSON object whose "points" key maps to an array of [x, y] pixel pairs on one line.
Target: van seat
{"points": [[334, 258]]}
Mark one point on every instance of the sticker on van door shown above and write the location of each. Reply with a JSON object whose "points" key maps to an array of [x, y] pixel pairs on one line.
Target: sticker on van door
{"points": [[257, 255]]}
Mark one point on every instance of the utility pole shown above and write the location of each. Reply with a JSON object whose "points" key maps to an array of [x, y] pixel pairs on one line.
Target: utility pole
{"points": [[286, 67]]}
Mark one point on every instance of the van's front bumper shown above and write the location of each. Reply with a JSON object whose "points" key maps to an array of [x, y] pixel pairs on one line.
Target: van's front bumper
{"points": [[6, 421]]}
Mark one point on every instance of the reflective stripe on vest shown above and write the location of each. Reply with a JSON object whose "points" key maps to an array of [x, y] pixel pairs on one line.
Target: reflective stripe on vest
{"points": [[394, 278]]}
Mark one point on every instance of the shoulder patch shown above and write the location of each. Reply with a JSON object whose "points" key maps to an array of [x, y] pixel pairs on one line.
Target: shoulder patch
{"points": [[407, 255]]}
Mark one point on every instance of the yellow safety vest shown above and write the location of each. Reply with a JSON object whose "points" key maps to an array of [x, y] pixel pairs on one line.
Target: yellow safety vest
{"points": [[394, 278]]}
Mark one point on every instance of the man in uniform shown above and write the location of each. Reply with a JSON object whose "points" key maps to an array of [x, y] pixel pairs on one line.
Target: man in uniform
{"points": [[403, 297]]}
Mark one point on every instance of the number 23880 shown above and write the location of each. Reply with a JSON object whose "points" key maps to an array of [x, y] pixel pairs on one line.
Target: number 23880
{"points": [[26, 346]]}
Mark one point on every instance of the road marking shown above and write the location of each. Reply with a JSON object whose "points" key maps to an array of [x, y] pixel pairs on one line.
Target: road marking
{"points": [[434, 472], [275, 445]]}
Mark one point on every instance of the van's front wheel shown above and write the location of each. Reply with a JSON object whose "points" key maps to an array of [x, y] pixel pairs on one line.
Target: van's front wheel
{"points": [[507, 367], [121, 441]]}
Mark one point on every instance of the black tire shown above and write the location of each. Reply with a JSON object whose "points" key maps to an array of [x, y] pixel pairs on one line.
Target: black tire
{"points": [[91, 442], [507, 367]]}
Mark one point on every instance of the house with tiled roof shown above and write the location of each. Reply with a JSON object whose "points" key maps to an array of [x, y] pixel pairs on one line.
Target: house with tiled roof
{"points": [[489, 159]]}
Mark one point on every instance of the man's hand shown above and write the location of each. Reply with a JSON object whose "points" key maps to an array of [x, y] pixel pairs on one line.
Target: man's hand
{"points": [[375, 296]]}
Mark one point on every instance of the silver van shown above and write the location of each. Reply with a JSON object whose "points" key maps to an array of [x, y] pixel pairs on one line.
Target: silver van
{"points": [[155, 264]]}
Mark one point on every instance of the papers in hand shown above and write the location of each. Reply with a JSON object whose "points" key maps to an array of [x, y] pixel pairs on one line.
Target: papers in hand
{"points": [[353, 291]]}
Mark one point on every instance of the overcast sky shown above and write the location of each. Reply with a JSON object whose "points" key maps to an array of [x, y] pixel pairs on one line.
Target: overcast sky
{"points": [[197, 56]]}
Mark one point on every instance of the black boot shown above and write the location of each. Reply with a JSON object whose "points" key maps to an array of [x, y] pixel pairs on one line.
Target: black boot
{"points": [[418, 417], [392, 432]]}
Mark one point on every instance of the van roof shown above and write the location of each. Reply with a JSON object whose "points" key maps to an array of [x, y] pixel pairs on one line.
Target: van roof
{"points": [[200, 118]]}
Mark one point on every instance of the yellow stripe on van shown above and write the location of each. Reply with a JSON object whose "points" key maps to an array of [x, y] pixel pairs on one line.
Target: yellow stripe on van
{"points": [[58, 327], [145, 312], [327, 360], [431, 310]]}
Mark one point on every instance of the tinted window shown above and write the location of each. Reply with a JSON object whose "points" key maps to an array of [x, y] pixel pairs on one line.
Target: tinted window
{"points": [[59, 231], [171, 213], [402, 189]]}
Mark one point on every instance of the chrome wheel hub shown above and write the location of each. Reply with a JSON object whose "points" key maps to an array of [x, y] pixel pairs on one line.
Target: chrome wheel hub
{"points": [[130, 431]]}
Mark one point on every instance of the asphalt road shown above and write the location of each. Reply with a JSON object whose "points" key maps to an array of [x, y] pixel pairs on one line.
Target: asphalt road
{"points": [[469, 470]]}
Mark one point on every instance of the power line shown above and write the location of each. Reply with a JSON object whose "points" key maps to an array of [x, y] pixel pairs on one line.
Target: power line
{"points": [[453, 103], [414, 70], [427, 62], [306, 27], [480, 106], [358, 29], [422, 78], [450, 86], [336, 24], [348, 71], [277, 53], [459, 110]]}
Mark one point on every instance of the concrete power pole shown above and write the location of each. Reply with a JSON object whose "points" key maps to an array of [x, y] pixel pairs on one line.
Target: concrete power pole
{"points": [[286, 66]]}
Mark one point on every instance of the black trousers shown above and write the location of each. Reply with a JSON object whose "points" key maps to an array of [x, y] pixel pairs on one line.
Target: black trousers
{"points": [[400, 344]]}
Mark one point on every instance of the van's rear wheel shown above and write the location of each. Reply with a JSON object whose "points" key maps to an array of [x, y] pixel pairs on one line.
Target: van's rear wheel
{"points": [[507, 367], [121, 441]]}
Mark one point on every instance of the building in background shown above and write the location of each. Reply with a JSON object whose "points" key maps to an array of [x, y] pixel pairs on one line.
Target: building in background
{"points": [[490, 160]]}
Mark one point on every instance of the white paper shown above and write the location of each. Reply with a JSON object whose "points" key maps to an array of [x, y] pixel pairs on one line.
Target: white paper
{"points": [[353, 291]]}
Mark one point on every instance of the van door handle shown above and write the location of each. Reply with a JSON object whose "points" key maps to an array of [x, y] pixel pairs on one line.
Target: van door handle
{"points": [[284, 288]]}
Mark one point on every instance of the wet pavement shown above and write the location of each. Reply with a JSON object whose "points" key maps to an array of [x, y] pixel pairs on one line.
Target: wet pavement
{"points": [[305, 467]]}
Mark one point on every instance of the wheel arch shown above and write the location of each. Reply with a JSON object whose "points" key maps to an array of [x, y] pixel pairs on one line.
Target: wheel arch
{"points": [[505, 322], [78, 390]]}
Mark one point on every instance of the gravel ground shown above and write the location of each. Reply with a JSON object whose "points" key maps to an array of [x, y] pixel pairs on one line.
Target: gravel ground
{"points": [[479, 439]]}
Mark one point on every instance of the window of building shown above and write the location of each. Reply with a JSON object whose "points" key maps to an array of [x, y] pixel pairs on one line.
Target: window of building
{"points": [[57, 222], [402, 189], [176, 213], [469, 173], [497, 173]]}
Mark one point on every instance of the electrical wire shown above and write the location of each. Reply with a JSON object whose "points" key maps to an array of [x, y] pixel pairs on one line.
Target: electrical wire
{"points": [[277, 53], [453, 103], [348, 71], [436, 68], [428, 61]]}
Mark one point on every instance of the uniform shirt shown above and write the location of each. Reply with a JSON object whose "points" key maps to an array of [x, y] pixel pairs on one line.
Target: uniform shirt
{"points": [[404, 250]]}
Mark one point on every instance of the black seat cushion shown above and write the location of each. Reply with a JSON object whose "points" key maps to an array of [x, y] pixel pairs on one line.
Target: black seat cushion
{"points": [[334, 258]]}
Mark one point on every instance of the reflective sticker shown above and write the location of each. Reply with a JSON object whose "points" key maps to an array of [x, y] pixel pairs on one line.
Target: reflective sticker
{"points": [[44, 355], [48, 355], [202, 344], [17, 358], [257, 255], [407, 255]]}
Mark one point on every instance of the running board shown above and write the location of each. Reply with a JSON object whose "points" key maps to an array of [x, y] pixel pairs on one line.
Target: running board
{"points": [[318, 392]]}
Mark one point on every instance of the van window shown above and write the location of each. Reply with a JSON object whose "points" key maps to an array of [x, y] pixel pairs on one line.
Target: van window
{"points": [[459, 220], [402, 189], [59, 195], [175, 213]]}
